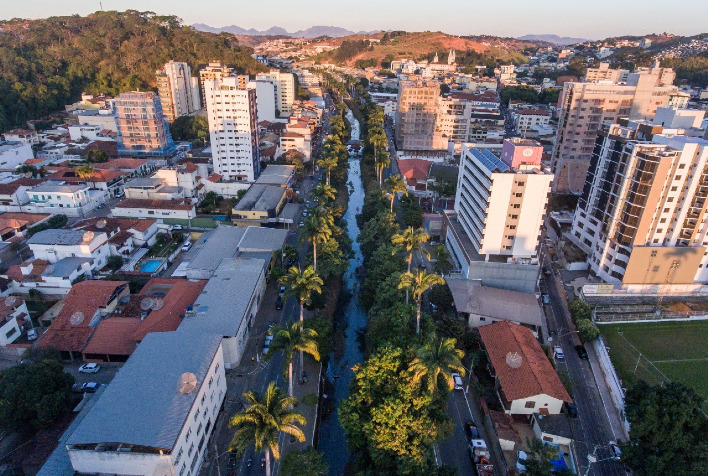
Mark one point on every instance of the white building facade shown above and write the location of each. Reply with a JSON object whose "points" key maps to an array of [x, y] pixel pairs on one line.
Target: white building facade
{"points": [[284, 89]]}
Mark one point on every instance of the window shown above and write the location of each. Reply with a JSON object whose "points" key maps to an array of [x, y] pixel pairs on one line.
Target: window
{"points": [[530, 404], [191, 450], [199, 429], [179, 456], [10, 333], [189, 433]]}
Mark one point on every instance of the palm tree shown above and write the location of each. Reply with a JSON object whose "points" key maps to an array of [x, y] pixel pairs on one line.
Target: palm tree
{"points": [[302, 284], [382, 159], [262, 421], [289, 252], [438, 357], [324, 193], [317, 229], [290, 339], [411, 241], [328, 161], [85, 171], [418, 283], [396, 184]]}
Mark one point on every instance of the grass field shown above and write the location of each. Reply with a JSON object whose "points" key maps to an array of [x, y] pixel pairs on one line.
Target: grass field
{"points": [[656, 352]]}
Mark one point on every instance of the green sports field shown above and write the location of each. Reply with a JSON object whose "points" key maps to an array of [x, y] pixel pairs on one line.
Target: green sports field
{"points": [[655, 352]]}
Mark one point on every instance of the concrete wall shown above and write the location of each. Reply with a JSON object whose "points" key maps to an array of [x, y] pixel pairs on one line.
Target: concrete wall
{"points": [[663, 265], [553, 405]]}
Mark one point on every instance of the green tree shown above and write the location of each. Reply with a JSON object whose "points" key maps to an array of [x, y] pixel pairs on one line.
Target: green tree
{"points": [[194, 129], [538, 458], [436, 359], [411, 241], [523, 93], [441, 297], [302, 285], [419, 282], [291, 339], [96, 156], [328, 161], [262, 421], [316, 229], [443, 260], [324, 193], [396, 184], [667, 430], [307, 461], [85, 171], [587, 330], [579, 310], [34, 395], [114, 262], [27, 170]]}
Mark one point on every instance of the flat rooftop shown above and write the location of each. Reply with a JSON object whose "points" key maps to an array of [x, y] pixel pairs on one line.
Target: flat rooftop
{"points": [[261, 198]]}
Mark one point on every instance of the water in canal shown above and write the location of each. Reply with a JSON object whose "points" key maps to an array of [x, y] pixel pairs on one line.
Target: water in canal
{"points": [[331, 439]]}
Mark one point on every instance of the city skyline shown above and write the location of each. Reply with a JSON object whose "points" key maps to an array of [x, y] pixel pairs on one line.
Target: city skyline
{"points": [[542, 17]]}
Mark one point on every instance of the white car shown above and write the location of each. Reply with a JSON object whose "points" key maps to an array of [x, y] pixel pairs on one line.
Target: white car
{"points": [[89, 368], [177, 227], [558, 352], [187, 246], [457, 381]]}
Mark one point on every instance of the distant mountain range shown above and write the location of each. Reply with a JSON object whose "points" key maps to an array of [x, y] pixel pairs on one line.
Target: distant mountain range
{"points": [[312, 32], [554, 39]]}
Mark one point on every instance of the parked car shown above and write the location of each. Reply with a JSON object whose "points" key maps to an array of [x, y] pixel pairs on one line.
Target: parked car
{"points": [[90, 387], [546, 299], [582, 352], [572, 409], [521, 458], [89, 368], [178, 227], [457, 380], [265, 348], [471, 430], [187, 246], [546, 271], [282, 290], [615, 450], [558, 352], [279, 303]]}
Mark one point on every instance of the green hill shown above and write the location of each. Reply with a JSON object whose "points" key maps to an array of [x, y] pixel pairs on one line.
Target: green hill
{"points": [[45, 64]]}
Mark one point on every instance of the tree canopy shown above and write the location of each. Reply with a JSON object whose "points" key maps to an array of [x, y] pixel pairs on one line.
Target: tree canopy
{"points": [[34, 395]]}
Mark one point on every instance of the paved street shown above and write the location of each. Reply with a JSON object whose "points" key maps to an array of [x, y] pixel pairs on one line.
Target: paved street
{"points": [[454, 451], [592, 430]]}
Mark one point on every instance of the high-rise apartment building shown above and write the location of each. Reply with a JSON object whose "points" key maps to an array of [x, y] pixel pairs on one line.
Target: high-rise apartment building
{"points": [[142, 126], [585, 106], [416, 119], [233, 128], [500, 202], [212, 71], [179, 91], [284, 89], [642, 218]]}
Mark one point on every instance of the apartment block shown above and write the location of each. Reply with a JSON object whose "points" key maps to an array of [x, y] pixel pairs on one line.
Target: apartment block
{"points": [[178, 89], [501, 202], [142, 126], [416, 119], [212, 71], [642, 216], [233, 128], [585, 106], [284, 89]]}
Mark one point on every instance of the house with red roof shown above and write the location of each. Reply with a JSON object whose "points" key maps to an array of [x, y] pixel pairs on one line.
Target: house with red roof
{"points": [[526, 382], [13, 195], [84, 307], [159, 307], [415, 171]]}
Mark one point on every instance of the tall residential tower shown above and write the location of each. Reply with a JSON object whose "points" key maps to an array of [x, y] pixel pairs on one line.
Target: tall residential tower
{"points": [[179, 91]]}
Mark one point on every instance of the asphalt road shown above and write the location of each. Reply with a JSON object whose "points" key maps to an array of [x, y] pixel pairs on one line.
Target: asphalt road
{"points": [[454, 451], [591, 430]]}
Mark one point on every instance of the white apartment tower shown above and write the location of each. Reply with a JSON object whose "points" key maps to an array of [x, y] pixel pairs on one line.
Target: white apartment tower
{"points": [[284, 89], [501, 202], [213, 71], [233, 128], [178, 90], [642, 218]]}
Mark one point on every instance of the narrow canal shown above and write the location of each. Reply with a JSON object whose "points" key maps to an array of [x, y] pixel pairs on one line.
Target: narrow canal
{"points": [[331, 439]]}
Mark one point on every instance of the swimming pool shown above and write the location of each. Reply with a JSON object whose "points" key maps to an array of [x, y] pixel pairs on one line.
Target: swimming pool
{"points": [[151, 266]]}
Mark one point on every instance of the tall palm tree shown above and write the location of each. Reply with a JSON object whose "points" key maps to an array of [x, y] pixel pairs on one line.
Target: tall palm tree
{"points": [[409, 242], [302, 284], [291, 339], [396, 184], [438, 357], [262, 421], [317, 229], [328, 161], [382, 159], [324, 193], [419, 282]]}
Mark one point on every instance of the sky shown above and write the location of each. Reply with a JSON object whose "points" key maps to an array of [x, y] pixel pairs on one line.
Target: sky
{"points": [[592, 19]]}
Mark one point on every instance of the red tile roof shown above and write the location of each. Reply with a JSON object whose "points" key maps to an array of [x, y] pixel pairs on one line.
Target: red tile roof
{"points": [[534, 376], [120, 334], [120, 164], [86, 297], [11, 187], [215, 178], [38, 266], [414, 169]]}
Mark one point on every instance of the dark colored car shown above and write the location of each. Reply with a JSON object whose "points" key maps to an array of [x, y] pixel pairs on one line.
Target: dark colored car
{"points": [[471, 430], [279, 303], [582, 352], [572, 410], [546, 271]]}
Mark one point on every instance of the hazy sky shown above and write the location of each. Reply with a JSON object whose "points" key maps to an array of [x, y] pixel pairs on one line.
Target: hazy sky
{"points": [[580, 18]]}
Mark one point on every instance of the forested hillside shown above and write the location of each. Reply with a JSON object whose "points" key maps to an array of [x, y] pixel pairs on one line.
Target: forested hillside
{"points": [[45, 64]]}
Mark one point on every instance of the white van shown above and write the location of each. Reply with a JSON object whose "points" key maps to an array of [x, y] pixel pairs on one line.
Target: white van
{"points": [[187, 246], [457, 380]]}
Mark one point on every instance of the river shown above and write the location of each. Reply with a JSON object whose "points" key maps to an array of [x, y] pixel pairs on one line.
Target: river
{"points": [[332, 441]]}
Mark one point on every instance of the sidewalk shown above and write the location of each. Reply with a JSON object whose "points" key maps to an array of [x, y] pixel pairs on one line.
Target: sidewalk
{"points": [[614, 416]]}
